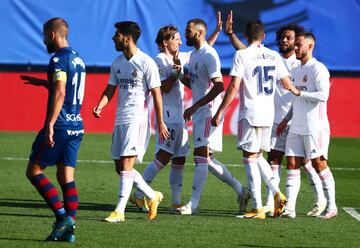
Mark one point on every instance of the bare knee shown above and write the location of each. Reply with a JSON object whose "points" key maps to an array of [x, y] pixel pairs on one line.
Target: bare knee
{"points": [[33, 170]]}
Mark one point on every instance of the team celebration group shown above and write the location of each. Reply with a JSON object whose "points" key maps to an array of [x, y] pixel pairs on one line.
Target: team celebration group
{"points": [[282, 110]]}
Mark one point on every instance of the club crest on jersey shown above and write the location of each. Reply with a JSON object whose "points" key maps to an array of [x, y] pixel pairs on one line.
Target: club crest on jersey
{"points": [[305, 79], [134, 73]]}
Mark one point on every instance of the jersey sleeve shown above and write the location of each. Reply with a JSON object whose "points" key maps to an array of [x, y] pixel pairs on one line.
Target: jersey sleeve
{"points": [[151, 74], [113, 79], [322, 83], [237, 68], [60, 68], [282, 71], [213, 66], [162, 68]]}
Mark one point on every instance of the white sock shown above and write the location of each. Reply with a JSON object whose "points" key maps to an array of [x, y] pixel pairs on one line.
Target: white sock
{"points": [[220, 171], [176, 182], [293, 181], [142, 186], [269, 195], [267, 175], [328, 183], [149, 174], [315, 182], [254, 180], [200, 175], [125, 186]]}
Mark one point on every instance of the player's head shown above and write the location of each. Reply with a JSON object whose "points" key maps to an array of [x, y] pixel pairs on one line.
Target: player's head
{"points": [[304, 44], [168, 39], [54, 30], [126, 32], [195, 31], [254, 31], [285, 37]]}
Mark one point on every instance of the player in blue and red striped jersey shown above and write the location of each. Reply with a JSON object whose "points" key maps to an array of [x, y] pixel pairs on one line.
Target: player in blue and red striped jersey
{"points": [[58, 141]]}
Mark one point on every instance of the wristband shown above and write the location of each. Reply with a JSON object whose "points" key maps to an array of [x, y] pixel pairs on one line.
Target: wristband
{"points": [[229, 34]]}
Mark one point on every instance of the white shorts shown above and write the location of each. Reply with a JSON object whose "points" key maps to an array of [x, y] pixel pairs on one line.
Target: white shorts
{"points": [[278, 142], [204, 134], [253, 139], [308, 146], [130, 139], [178, 143]]}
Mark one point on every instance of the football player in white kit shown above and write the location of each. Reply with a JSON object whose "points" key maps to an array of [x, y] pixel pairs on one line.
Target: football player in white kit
{"points": [[170, 63], [136, 75], [206, 84], [254, 73], [309, 132]]}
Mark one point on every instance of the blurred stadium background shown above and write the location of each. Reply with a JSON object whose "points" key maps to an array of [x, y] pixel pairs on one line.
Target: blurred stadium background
{"points": [[335, 24]]}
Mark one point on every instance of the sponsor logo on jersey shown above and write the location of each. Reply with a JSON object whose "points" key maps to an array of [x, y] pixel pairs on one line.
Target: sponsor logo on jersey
{"points": [[75, 132], [73, 117]]}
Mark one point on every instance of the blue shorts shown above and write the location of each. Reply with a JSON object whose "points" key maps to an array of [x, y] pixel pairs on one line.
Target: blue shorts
{"points": [[65, 151]]}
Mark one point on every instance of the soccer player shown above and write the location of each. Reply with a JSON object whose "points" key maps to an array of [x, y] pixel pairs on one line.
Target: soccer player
{"points": [[58, 141], [255, 71], [206, 84], [170, 63], [309, 132], [136, 75]]}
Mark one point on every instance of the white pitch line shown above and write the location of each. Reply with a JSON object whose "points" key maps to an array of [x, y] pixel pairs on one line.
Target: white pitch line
{"points": [[146, 162], [352, 212]]}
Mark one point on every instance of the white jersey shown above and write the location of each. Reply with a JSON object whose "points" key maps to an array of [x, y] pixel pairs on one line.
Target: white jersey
{"points": [[259, 68], [204, 65], [135, 78], [173, 106], [309, 109], [283, 98]]}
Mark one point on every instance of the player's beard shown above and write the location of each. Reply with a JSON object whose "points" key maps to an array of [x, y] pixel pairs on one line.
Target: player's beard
{"points": [[50, 48], [300, 55], [190, 41], [286, 50]]}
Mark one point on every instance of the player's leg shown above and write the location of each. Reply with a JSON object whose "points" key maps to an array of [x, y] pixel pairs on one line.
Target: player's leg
{"points": [[176, 180], [274, 159], [315, 182], [293, 182]]}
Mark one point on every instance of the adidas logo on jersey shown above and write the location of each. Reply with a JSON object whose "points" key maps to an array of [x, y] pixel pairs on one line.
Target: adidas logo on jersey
{"points": [[198, 139]]}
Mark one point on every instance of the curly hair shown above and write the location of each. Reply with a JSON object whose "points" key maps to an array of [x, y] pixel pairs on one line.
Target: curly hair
{"points": [[294, 27]]}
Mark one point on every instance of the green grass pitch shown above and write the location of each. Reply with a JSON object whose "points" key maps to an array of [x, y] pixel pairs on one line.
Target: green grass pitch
{"points": [[25, 220]]}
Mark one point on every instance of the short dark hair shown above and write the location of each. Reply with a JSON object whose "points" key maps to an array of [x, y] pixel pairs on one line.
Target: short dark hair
{"points": [[307, 35], [129, 28], [254, 30], [165, 33], [293, 27], [57, 24], [198, 21]]}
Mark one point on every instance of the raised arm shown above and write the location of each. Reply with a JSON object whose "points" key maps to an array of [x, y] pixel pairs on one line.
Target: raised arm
{"points": [[235, 41], [212, 38]]}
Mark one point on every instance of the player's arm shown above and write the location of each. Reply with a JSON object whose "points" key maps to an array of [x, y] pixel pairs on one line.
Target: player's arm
{"points": [[218, 87], [282, 125], [228, 98], [56, 106], [160, 124], [323, 89], [235, 41], [212, 38], [104, 100], [35, 81], [167, 84]]}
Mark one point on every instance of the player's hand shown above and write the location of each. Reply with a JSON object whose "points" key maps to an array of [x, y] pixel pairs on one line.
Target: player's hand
{"points": [[34, 81], [218, 22], [281, 127], [229, 23], [295, 91], [216, 120], [163, 131], [189, 112], [176, 59], [97, 112], [49, 136]]}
